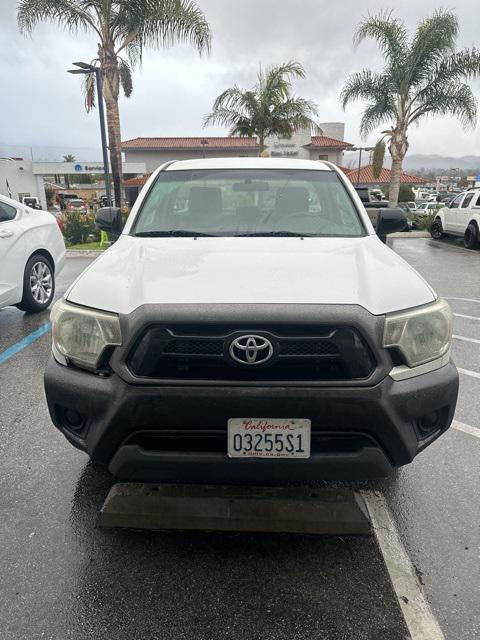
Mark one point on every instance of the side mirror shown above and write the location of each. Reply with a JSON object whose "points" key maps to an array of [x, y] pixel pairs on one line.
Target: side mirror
{"points": [[390, 221], [109, 219]]}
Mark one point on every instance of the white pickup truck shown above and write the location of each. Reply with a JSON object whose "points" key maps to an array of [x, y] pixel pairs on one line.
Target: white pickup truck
{"points": [[461, 217], [249, 325]]}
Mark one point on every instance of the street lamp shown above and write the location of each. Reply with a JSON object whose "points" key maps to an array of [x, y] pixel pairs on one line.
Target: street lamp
{"points": [[86, 69], [360, 149]]}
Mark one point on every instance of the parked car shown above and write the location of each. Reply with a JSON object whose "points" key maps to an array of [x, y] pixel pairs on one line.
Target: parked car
{"points": [[425, 211], [63, 198], [104, 201], [78, 205], [31, 201], [248, 325], [460, 218], [32, 252]]}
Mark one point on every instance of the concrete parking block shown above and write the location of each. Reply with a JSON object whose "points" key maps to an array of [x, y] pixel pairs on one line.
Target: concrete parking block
{"points": [[229, 508]]}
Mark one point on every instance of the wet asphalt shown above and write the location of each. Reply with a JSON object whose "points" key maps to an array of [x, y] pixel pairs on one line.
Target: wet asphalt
{"points": [[63, 578]]}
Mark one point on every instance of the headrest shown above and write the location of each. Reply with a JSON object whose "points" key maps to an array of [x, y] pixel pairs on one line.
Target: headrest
{"points": [[292, 200], [205, 200]]}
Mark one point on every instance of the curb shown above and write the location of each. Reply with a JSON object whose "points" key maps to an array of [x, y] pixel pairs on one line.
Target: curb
{"points": [[85, 253], [410, 234], [231, 508]]}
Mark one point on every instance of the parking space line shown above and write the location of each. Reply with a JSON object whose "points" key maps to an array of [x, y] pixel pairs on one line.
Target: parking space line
{"points": [[463, 299], [18, 346], [467, 372], [419, 618], [465, 339], [461, 315], [466, 428]]}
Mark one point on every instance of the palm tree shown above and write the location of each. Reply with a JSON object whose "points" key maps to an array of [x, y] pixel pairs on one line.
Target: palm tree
{"points": [[423, 76], [122, 28], [269, 108], [68, 158]]}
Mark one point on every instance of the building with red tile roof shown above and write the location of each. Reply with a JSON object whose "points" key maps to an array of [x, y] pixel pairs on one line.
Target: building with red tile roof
{"points": [[365, 176]]}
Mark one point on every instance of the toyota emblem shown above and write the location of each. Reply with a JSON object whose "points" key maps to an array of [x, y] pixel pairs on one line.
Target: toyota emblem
{"points": [[251, 349]]}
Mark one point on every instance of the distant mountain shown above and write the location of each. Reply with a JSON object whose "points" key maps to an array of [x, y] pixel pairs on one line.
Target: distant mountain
{"points": [[445, 163], [44, 153]]}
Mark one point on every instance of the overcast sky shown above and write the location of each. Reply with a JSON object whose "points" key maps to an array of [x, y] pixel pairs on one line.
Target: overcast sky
{"points": [[42, 105]]}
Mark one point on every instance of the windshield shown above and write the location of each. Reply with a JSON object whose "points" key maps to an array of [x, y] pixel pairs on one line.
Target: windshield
{"points": [[244, 202]]}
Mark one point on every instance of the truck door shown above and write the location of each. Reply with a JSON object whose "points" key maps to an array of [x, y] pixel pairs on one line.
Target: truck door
{"points": [[465, 211], [452, 222]]}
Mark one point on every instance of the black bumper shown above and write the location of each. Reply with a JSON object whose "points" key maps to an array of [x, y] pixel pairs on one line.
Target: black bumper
{"points": [[179, 433]]}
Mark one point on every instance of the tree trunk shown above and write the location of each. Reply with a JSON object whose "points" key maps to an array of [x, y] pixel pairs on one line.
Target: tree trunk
{"points": [[395, 178], [261, 144], [115, 147], [111, 85], [398, 149]]}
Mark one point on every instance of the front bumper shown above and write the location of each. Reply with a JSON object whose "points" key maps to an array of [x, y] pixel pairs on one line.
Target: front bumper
{"points": [[179, 433]]}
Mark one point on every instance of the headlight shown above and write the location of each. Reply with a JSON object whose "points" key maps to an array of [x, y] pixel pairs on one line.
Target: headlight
{"points": [[81, 335], [422, 334]]}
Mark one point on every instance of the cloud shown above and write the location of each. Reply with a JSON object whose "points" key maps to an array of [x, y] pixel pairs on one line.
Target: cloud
{"points": [[175, 88]]}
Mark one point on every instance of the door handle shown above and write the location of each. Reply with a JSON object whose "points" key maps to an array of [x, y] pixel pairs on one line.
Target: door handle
{"points": [[6, 234]]}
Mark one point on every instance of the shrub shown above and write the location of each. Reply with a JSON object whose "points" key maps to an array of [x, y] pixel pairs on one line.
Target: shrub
{"points": [[405, 194], [424, 223], [78, 226]]}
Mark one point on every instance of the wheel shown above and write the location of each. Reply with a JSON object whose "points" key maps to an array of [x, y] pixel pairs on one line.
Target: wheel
{"points": [[437, 230], [470, 239], [38, 284]]}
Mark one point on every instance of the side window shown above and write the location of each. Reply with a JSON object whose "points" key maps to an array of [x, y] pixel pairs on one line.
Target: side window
{"points": [[456, 202], [467, 201], [7, 212], [477, 204]]}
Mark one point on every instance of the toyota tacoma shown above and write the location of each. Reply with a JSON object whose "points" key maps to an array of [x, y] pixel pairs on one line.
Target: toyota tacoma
{"points": [[248, 325]]}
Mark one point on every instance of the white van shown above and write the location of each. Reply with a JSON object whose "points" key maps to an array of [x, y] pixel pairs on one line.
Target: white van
{"points": [[249, 325]]}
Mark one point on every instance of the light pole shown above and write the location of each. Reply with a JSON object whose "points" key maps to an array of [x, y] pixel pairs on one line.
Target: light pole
{"points": [[86, 69], [360, 149]]}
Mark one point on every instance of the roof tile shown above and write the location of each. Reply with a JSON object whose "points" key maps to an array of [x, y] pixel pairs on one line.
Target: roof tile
{"points": [[155, 144], [366, 176]]}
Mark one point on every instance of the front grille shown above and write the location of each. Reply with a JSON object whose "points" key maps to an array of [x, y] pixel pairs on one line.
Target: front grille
{"points": [[300, 353], [215, 441]]}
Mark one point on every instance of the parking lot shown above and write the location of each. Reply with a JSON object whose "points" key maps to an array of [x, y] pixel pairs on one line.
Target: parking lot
{"points": [[63, 578]]}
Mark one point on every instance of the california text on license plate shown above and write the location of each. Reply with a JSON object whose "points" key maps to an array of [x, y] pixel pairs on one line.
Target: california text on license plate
{"points": [[268, 438]]}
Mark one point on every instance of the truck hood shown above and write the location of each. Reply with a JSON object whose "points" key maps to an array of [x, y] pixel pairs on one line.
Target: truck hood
{"points": [[360, 271]]}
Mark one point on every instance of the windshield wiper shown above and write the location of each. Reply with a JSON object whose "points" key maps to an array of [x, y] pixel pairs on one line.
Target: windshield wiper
{"points": [[285, 234], [172, 233]]}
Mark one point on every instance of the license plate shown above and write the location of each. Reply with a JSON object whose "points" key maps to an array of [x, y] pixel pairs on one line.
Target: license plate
{"points": [[268, 438]]}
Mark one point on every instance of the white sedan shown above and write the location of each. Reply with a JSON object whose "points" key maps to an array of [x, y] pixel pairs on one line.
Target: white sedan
{"points": [[32, 253]]}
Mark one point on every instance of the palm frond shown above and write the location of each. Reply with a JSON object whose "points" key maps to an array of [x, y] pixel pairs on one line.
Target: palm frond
{"points": [[125, 76], [161, 23], [375, 115], [454, 99], [363, 85], [389, 32], [378, 158], [433, 40], [71, 14], [455, 67], [89, 87]]}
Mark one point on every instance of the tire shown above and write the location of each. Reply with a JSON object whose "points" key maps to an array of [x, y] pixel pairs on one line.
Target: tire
{"points": [[471, 239], [436, 230], [38, 284]]}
